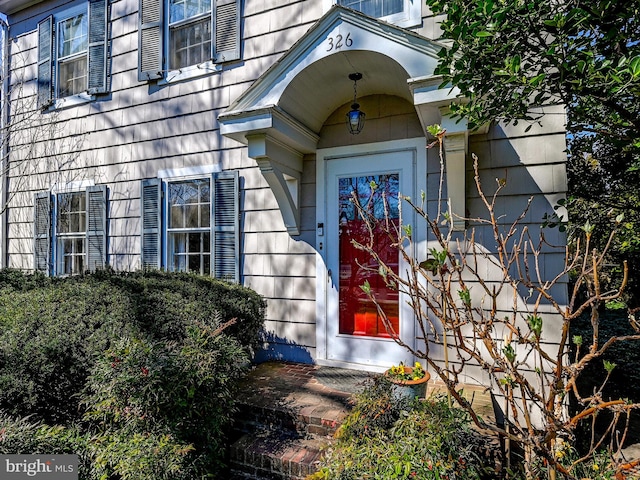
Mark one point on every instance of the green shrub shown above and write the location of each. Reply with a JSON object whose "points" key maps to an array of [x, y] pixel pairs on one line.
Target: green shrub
{"points": [[53, 330], [138, 369], [49, 340], [185, 388], [393, 438], [165, 302]]}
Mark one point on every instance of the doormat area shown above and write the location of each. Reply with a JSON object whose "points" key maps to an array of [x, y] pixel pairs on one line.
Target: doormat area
{"points": [[342, 379]]}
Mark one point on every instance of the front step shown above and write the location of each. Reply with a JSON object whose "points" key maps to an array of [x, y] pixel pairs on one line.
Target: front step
{"points": [[281, 443], [318, 420], [286, 419], [274, 456]]}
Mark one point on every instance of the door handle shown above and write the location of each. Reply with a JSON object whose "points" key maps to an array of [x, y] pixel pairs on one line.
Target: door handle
{"points": [[329, 275]]}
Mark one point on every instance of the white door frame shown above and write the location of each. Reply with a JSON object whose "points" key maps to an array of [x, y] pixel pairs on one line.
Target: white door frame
{"points": [[417, 147]]}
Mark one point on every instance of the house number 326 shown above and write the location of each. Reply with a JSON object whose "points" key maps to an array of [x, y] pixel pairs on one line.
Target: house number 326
{"points": [[337, 42]]}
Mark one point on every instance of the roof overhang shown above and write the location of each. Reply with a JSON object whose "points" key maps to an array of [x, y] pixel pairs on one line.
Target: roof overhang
{"points": [[9, 7]]}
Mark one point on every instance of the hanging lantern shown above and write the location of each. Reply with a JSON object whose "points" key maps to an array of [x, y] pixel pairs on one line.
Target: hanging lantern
{"points": [[355, 117]]}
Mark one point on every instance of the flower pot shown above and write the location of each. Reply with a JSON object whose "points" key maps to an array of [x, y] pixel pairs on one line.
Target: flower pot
{"points": [[409, 389]]}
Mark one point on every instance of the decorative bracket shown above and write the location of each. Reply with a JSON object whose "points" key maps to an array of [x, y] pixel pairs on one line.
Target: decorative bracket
{"points": [[281, 167]]}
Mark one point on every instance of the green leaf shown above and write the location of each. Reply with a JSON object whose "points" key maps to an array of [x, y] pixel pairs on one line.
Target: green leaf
{"points": [[515, 63], [430, 265], [483, 33], [634, 66], [609, 366]]}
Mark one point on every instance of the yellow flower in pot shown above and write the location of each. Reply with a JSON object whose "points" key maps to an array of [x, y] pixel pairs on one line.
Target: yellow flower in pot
{"points": [[410, 382]]}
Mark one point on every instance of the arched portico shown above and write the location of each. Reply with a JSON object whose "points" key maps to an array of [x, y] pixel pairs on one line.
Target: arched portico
{"points": [[280, 116]]}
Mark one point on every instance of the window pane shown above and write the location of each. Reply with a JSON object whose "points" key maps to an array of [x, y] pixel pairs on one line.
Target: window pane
{"points": [[72, 36], [194, 243], [71, 255], [79, 245], [205, 216], [206, 242], [71, 216], [189, 204], [72, 76], [194, 263], [184, 9], [190, 44], [191, 216], [190, 252], [375, 8], [177, 217]]}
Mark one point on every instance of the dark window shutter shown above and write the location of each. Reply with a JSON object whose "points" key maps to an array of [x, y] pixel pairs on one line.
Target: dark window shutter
{"points": [[45, 62], [150, 36], [42, 233], [226, 25], [151, 195], [225, 203], [96, 227], [97, 47]]}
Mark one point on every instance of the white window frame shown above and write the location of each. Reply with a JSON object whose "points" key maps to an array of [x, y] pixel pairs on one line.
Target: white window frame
{"points": [[411, 15], [60, 237], [188, 71], [48, 239], [169, 254], [57, 60]]}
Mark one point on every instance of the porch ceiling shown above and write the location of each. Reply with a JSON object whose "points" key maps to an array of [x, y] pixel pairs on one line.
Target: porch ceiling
{"points": [[324, 85]]}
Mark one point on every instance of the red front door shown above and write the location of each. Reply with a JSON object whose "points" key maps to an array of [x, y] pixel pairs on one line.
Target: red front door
{"points": [[358, 314]]}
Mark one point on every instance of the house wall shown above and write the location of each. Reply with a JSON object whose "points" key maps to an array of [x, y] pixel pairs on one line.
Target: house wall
{"points": [[141, 128], [532, 166]]}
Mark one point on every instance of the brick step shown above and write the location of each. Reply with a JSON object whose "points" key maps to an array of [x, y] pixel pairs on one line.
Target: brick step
{"points": [[275, 456], [303, 420]]}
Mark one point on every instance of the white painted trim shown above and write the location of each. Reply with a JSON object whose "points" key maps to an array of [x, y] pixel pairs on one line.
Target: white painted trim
{"points": [[185, 172], [411, 15], [192, 71], [418, 145]]}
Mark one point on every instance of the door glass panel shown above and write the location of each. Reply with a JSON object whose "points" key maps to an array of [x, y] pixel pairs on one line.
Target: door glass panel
{"points": [[358, 314]]}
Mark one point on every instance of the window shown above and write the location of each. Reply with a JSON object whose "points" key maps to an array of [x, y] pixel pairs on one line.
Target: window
{"points": [[199, 227], [189, 226], [72, 54], [404, 13], [71, 226], [375, 8], [190, 36], [189, 32], [70, 231]]}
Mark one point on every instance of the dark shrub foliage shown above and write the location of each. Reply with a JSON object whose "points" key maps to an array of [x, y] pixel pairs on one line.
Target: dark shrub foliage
{"points": [[136, 369]]}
